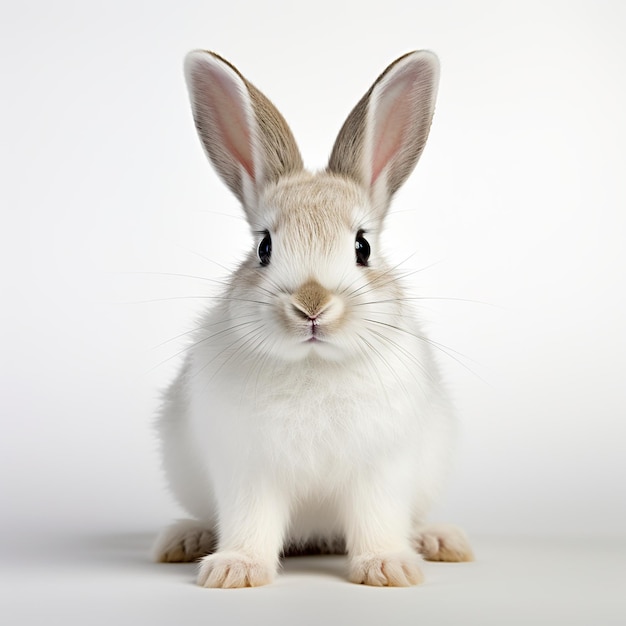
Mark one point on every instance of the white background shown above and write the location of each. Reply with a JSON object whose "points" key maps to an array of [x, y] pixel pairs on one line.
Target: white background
{"points": [[517, 206]]}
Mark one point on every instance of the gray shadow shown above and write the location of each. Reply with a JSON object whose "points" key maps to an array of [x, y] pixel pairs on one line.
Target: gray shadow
{"points": [[334, 566], [130, 552]]}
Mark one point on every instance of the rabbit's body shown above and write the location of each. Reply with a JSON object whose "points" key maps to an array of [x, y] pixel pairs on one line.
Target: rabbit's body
{"points": [[305, 436], [309, 410]]}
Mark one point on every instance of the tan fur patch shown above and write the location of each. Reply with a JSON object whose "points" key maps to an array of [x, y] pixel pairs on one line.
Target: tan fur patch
{"points": [[311, 298]]}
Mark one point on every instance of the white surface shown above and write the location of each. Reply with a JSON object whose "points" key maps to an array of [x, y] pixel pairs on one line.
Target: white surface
{"points": [[519, 201], [105, 579]]}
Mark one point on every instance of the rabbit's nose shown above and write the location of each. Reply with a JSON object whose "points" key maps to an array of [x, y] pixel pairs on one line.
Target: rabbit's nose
{"points": [[305, 315], [310, 300], [316, 305]]}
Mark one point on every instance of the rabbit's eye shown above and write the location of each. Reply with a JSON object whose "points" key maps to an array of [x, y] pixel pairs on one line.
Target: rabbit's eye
{"points": [[265, 249], [362, 248]]}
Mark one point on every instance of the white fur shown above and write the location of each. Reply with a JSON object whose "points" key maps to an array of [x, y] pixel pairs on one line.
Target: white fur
{"points": [[270, 439]]}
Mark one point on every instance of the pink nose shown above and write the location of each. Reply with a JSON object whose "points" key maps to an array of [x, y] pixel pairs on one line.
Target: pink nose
{"points": [[300, 312]]}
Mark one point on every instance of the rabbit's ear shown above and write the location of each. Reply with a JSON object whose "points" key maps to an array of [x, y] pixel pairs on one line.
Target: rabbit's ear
{"points": [[384, 135], [245, 137]]}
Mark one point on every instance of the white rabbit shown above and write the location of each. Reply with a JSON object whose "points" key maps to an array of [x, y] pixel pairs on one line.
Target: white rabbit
{"points": [[309, 412]]}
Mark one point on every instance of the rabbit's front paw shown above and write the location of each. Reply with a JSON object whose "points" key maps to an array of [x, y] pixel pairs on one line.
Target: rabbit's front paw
{"points": [[444, 542], [397, 569], [231, 570]]}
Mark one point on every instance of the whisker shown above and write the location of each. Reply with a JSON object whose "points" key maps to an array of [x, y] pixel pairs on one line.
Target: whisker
{"points": [[416, 298], [385, 363], [180, 275], [200, 341], [206, 297], [376, 284], [434, 344], [234, 216], [206, 258], [408, 355], [262, 348], [379, 284], [367, 359], [202, 327], [246, 339], [278, 288]]}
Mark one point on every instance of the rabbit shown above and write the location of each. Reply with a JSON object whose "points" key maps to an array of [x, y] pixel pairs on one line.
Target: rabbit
{"points": [[309, 413]]}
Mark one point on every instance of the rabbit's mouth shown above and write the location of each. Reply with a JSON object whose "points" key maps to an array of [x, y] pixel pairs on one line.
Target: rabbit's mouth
{"points": [[313, 335], [318, 330], [321, 339], [313, 328]]}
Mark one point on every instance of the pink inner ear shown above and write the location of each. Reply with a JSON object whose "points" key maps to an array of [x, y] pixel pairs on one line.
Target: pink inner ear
{"points": [[223, 98], [392, 117]]}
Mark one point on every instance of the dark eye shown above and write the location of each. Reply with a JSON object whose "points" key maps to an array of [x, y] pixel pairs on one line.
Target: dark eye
{"points": [[265, 249], [362, 248]]}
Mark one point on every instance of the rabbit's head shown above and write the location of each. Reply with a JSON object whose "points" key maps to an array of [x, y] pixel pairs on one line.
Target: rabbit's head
{"points": [[315, 282]]}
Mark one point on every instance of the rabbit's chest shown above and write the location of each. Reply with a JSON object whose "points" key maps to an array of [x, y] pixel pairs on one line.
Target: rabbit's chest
{"points": [[328, 423], [304, 425]]}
